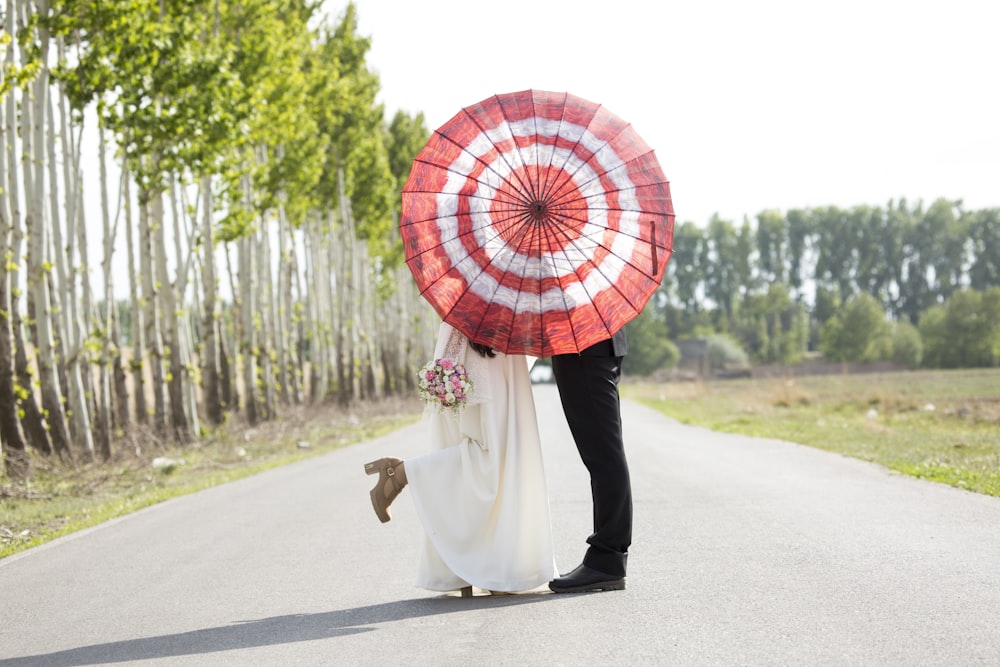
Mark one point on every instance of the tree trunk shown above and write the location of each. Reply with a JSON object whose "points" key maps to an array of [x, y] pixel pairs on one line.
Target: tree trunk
{"points": [[370, 331], [121, 377], [228, 395], [180, 427], [64, 297], [186, 331], [14, 447], [85, 318], [304, 292], [352, 388], [342, 300], [248, 330], [293, 320], [38, 289], [390, 321], [57, 341], [317, 304], [329, 318], [14, 452], [150, 295], [137, 328], [280, 310], [32, 420], [105, 415], [184, 320], [229, 342], [211, 397], [265, 306]]}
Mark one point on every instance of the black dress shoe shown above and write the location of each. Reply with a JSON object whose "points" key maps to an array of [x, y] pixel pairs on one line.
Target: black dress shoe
{"points": [[584, 580]]}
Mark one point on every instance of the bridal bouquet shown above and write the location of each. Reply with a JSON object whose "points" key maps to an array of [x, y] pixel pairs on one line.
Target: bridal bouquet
{"points": [[444, 383]]}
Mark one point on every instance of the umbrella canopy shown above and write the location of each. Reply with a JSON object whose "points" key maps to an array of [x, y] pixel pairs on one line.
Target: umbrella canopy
{"points": [[537, 223]]}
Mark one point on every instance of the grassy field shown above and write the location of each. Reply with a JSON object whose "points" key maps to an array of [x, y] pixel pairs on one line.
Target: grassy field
{"points": [[937, 425], [59, 500]]}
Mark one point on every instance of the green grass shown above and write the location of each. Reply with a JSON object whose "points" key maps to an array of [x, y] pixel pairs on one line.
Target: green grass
{"points": [[58, 500], [937, 425]]}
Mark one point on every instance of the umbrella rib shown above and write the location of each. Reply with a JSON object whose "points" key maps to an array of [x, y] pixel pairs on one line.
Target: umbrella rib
{"points": [[640, 270], [564, 174], [567, 306], [532, 187], [464, 175], [607, 142], [668, 248], [533, 183], [468, 233], [438, 217], [469, 283], [524, 242], [499, 285], [568, 175], [524, 187], [605, 191], [558, 231], [518, 185], [544, 187], [468, 280]]}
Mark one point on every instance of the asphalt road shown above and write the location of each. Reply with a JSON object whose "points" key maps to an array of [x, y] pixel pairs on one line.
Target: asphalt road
{"points": [[746, 552]]}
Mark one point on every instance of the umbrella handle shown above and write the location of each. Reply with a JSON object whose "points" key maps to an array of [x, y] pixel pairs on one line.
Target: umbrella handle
{"points": [[656, 264]]}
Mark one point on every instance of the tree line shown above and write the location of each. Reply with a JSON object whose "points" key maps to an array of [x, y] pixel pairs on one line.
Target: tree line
{"points": [[256, 207], [914, 283]]}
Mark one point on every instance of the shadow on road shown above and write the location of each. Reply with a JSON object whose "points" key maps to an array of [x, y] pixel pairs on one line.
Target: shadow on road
{"points": [[268, 631]]}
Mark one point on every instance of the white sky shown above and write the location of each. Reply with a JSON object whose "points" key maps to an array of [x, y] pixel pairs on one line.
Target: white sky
{"points": [[748, 105]]}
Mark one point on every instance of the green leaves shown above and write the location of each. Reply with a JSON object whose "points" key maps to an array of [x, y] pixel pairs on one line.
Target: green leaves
{"points": [[964, 331], [770, 284], [247, 92], [858, 332]]}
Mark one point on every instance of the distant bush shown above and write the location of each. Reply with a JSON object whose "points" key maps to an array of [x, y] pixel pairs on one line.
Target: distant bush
{"points": [[649, 349], [907, 346], [724, 353], [964, 331], [859, 331]]}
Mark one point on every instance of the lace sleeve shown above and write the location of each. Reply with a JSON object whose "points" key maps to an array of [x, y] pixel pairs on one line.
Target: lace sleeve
{"points": [[451, 343]]}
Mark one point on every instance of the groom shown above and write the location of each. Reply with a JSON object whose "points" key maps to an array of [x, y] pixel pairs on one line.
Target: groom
{"points": [[588, 389]]}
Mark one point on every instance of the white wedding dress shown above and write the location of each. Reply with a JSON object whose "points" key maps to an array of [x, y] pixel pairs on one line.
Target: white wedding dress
{"points": [[480, 493]]}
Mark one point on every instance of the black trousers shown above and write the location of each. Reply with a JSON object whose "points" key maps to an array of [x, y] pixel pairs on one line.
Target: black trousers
{"points": [[588, 389]]}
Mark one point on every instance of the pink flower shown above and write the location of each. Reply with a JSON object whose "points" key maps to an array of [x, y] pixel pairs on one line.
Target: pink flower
{"points": [[446, 364]]}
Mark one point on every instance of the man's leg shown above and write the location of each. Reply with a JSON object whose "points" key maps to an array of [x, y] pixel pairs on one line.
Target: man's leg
{"points": [[588, 389]]}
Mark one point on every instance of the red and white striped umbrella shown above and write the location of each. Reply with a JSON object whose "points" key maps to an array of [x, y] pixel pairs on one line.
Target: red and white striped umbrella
{"points": [[537, 223]]}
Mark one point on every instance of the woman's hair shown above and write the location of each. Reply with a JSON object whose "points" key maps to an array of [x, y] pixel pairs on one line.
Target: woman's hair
{"points": [[483, 350]]}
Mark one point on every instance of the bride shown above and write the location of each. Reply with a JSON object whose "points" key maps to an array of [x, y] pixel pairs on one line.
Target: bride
{"points": [[480, 492]]}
